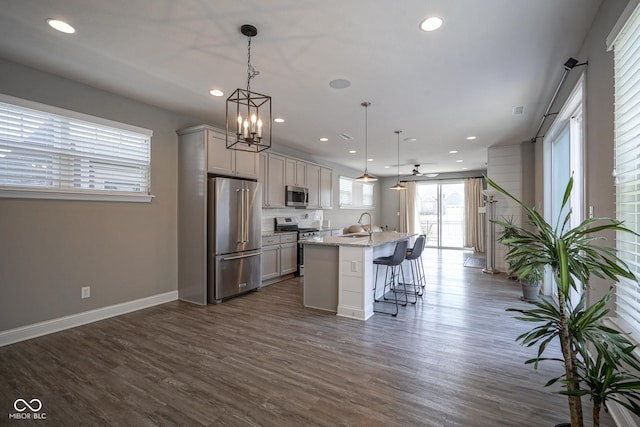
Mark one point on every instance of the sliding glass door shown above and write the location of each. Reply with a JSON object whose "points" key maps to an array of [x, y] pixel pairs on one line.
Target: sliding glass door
{"points": [[441, 212]]}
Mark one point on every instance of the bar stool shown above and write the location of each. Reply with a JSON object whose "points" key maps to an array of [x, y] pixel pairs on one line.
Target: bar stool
{"points": [[414, 257], [391, 276]]}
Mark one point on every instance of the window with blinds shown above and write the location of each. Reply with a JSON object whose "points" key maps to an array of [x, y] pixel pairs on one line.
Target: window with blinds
{"points": [[46, 150], [355, 194], [627, 163]]}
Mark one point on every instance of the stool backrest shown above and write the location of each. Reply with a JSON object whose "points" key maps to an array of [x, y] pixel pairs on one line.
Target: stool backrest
{"points": [[418, 247], [400, 253]]}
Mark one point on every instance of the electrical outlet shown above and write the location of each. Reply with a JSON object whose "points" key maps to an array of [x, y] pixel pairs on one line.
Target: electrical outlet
{"points": [[86, 292], [354, 266]]}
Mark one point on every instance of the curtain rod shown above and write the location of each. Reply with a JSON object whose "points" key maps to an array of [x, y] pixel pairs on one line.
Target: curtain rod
{"points": [[440, 179], [568, 66]]}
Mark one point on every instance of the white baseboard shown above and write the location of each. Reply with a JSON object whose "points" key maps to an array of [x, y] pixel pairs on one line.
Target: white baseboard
{"points": [[50, 326]]}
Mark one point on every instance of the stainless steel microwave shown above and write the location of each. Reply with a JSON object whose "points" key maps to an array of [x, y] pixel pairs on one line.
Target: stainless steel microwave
{"points": [[296, 196]]}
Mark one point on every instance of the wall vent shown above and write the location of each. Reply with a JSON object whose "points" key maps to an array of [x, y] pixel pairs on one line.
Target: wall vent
{"points": [[345, 136]]}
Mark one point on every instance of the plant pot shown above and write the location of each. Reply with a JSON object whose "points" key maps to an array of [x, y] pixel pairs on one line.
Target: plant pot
{"points": [[530, 291]]}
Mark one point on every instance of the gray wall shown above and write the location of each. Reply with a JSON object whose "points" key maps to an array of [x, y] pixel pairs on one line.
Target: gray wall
{"points": [[50, 249], [599, 184]]}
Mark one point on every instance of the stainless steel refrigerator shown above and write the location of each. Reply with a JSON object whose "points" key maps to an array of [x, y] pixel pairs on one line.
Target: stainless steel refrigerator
{"points": [[234, 237]]}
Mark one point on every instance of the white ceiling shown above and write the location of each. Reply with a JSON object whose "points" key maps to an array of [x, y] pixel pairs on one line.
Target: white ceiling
{"points": [[464, 79]]}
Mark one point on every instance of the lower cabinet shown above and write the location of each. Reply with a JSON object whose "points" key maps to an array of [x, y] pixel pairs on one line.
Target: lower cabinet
{"points": [[279, 256], [288, 258]]}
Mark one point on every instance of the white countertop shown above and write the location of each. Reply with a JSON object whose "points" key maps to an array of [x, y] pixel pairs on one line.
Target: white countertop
{"points": [[359, 239]]}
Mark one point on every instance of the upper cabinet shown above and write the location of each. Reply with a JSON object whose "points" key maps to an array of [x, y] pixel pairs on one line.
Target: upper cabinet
{"points": [[296, 173], [313, 184], [326, 188], [277, 171], [223, 161], [272, 173]]}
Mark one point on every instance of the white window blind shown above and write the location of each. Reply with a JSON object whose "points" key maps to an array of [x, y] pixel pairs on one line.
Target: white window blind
{"points": [[627, 163], [355, 194], [50, 149]]}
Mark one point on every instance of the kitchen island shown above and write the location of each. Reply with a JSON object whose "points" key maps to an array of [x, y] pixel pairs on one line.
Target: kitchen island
{"points": [[339, 271]]}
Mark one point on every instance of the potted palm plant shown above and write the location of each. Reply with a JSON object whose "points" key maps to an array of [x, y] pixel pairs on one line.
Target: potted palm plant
{"points": [[594, 356], [532, 279]]}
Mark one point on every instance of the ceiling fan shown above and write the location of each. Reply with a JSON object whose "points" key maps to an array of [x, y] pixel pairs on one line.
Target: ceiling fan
{"points": [[416, 172]]}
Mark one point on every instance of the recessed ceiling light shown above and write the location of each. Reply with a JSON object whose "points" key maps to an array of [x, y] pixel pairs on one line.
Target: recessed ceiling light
{"points": [[352, 151], [387, 167], [470, 138], [324, 139], [278, 120], [464, 169], [459, 161], [216, 92], [61, 26], [369, 160], [409, 140], [453, 151], [340, 83], [431, 23]]}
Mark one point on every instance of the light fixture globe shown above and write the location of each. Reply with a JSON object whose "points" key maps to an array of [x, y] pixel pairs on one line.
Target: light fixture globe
{"points": [[248, 113], [365, 177]]}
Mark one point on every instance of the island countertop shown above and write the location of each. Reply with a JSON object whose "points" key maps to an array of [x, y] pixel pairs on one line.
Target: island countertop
{"points": [[359, 239]]}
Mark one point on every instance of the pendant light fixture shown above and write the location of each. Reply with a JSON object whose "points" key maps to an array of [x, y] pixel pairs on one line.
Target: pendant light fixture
{"points": [[366, 177], [398, 186], [248, 113]]}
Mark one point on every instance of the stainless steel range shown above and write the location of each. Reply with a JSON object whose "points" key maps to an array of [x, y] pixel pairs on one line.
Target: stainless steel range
{"points": [[291, 224]]}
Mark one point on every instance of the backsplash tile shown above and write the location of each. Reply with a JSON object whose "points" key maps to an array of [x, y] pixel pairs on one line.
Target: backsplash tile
{"points": [[306, 218]]}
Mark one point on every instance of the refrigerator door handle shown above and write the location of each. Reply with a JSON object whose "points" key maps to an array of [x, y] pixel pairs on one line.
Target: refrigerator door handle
{"points": [[240, 214], [241, 256], [246, 215]]}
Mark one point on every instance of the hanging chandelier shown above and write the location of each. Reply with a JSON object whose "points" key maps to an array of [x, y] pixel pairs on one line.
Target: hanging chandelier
{"points": [[366, 177], [398, 186], [248, 113]]}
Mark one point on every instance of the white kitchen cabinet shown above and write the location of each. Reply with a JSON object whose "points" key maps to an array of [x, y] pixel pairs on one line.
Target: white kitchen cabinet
{"points": [[279, 256], [222, 161], [326, 188], [272, 178], [295, 172], [270, 257], [288, 258], [313, 184]]}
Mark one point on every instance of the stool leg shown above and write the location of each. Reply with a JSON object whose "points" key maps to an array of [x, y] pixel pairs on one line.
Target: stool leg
{"points": [[415, 270]]}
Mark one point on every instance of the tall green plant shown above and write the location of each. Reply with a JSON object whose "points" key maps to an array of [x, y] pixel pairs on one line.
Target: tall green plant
{"points": [[573, 255]]}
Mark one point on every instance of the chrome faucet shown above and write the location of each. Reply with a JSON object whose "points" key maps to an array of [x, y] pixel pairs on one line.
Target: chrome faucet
{"points": [[370, 225]]}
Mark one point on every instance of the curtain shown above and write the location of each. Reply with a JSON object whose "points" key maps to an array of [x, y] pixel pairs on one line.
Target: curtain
{"points": [[409, 215], [474, 227]]}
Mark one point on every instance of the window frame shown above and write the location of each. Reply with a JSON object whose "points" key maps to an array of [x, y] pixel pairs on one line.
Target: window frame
{"points": [[69, 192], [357, 194], [626, 155]]}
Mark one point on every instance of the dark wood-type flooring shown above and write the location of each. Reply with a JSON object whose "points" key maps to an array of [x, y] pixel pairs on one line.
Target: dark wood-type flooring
{"points": [[264, 360]]}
